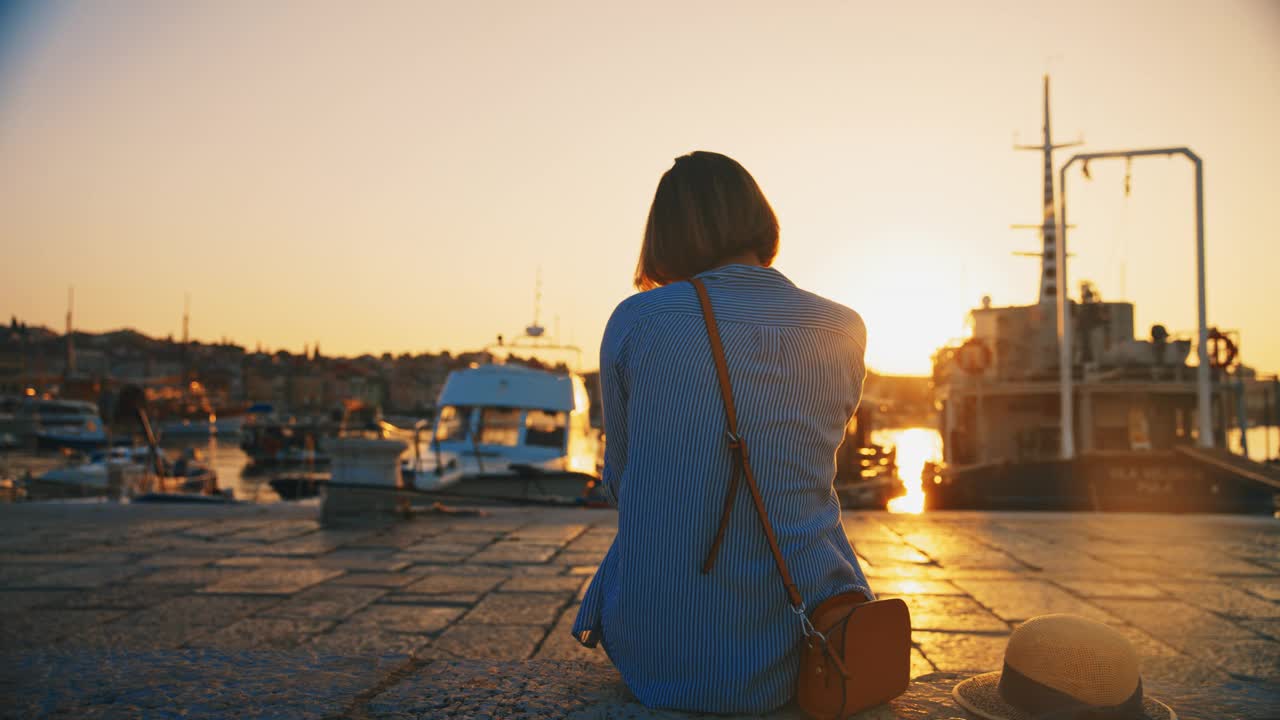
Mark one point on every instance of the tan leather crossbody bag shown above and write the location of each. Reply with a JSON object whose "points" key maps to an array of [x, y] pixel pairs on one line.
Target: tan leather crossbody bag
{"points": [[855, 653]]}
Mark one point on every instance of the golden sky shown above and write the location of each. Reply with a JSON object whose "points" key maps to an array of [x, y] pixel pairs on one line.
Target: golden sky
{"points": [[391, 179]]}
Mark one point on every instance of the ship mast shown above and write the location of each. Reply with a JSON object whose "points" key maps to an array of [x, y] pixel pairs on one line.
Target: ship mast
{"points": [[69, 366], [536, 330], [1048, 227], [186, 342]]}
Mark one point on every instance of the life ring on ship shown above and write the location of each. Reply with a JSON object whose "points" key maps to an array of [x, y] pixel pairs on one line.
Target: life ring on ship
{"points": [[974, 356], [1221, 351], [943, 360]]}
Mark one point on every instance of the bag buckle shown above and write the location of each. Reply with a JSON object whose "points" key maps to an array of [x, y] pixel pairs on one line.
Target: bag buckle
{"points": [[806, 626], [812, 633]]}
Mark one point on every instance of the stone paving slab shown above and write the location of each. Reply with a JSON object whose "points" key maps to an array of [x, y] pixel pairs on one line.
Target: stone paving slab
{"points": [[84, 577], [544, 583], [518, 608], [194, 684], [9, 574], [1016, 600], [262, 632], [953, 613], [490, 642], [406, 618], [214, 612], [904, 587], [1108, 589], [40, 628], [14, 601], [388, 580], [272, 581], [167, 560], [447, 583], [326, 602], [193, 577]]}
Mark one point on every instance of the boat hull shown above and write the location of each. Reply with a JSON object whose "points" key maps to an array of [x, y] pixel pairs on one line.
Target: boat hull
{"points": [[298, 486], [174, 429], [1121, 482], [58, 441], [555, 486]]}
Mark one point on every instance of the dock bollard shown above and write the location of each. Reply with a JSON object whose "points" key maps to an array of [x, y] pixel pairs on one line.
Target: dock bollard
{"points": [[364, 474], [115, 481]]}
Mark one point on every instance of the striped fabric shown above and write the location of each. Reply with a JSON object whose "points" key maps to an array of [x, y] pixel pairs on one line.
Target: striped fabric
{"points": [[725, 641]]}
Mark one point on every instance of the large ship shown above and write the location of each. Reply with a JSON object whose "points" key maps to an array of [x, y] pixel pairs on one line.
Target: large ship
{"points": [[1136, 440]]}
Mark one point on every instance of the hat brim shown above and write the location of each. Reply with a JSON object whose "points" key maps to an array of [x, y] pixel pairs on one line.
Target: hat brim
{"points": [[980, 695]]}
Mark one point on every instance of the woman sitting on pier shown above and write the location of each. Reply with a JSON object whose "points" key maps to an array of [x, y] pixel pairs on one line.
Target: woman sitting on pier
{"points": [[696, 619]]}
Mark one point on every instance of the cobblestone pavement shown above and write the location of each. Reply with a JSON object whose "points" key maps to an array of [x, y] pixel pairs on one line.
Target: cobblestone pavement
{"points": [[256, 611]]}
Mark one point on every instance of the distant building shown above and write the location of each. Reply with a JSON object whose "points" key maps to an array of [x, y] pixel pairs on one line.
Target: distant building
{"points": [[264, 387], [13, 370], [305, 391]]}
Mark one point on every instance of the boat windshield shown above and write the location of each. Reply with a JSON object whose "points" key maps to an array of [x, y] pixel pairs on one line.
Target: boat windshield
{"points": [[499, 426], [455, 423], [66, 416], [65, 412], [545, 428]]}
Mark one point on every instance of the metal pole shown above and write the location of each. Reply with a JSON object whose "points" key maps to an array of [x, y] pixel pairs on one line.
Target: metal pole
{"points": [[982, 419], [1267, 400], [1242, 416], [1204, 416], [1205, 436], [1066, 411]]}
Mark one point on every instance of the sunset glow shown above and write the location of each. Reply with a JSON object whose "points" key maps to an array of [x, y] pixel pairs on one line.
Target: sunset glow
{"points": [[390, 180], [915, 447]]}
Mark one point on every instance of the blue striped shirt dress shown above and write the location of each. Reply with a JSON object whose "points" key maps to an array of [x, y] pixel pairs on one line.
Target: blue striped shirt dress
{"points": [[724, 641]]}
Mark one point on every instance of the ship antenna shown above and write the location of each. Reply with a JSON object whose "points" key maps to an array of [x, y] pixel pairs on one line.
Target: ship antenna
{"points": [[70, 365], [537, 297], [535, 330], [1048, 227], [186, 341]]}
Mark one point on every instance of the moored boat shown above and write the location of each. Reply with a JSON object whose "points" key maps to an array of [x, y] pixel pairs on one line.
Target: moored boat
{"points": [[126, 471], [509, 431], [59, 424], [272, 443]]}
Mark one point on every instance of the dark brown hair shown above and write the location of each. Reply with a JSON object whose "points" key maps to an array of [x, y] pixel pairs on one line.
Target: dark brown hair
{"points": [[707, 209]]}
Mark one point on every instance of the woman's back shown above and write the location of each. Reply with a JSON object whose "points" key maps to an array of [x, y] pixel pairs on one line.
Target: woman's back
{"points": [[722, 641]]}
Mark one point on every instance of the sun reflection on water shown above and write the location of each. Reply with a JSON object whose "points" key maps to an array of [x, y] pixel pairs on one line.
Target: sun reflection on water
{"points": [[915, 447]]}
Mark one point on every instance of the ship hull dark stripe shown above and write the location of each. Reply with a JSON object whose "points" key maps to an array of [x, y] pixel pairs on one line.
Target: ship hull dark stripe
{"points": [[1146, 482]]}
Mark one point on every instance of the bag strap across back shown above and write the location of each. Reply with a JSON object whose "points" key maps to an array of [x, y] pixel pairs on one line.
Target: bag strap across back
{"points": [[741, 459]]}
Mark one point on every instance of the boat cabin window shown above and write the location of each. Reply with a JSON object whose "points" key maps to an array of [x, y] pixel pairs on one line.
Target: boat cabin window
{"points": [[545, 428], [499, 426], [63, 412], [455, 423]]}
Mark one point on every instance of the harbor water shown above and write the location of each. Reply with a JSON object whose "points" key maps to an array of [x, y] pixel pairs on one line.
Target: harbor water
{"points": [[914, 447], [233, 467]]}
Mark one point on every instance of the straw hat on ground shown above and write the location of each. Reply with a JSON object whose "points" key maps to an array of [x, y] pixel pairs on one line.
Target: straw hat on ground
{"points": [[1063, 667]]}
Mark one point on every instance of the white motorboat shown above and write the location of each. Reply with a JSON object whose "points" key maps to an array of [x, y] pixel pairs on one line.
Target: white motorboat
{"points": [[508, 431], [57, 424], [135, 465], [92, 476]]}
